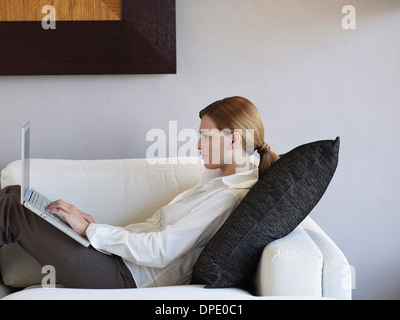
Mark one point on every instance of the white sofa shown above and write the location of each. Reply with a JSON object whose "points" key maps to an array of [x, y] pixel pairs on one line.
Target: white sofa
{"points": [[305, 264]]}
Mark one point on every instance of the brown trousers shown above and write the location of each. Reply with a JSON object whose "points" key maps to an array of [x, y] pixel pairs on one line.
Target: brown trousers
{"points": [[75, 265]]}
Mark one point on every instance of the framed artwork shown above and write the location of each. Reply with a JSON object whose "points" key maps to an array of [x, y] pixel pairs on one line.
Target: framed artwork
{"points": [[87, 37]]}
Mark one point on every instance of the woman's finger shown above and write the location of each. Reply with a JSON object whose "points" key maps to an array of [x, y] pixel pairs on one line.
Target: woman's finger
{"points": [[60, 204], [86, 216]]}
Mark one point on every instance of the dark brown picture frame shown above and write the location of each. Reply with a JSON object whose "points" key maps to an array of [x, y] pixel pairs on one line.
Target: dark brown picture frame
{"points": [[144, 42]]}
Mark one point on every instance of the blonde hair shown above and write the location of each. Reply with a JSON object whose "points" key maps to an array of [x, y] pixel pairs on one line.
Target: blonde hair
{"points": [[240, 113]]}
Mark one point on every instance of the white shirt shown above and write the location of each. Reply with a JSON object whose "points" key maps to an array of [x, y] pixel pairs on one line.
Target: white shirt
{"points": [[163, 250]]}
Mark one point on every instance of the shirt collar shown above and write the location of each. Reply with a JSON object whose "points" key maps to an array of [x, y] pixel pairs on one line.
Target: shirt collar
{"points": [[242, 180]]}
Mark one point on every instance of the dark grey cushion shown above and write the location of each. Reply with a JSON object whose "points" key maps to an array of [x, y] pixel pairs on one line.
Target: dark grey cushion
{"points": [[274, 206]]}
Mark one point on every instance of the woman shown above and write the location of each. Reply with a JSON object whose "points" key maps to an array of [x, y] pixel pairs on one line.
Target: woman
{"points": [[162, 250]]}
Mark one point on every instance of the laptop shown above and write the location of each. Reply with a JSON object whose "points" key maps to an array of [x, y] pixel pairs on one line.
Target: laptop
{"points": [[36, 202]]}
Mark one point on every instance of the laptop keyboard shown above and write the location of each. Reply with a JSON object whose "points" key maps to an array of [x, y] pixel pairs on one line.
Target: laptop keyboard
{"points": [[41, 202]]}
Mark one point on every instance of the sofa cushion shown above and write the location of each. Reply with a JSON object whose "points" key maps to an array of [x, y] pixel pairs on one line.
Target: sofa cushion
{"points": [[18, 268], [273, 208]]}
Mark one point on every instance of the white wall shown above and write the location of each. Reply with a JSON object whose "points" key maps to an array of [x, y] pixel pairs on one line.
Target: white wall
{"points": [[310, 79]]}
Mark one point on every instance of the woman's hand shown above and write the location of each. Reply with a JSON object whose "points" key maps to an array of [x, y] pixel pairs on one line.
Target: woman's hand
{"points": [[77, 219]]}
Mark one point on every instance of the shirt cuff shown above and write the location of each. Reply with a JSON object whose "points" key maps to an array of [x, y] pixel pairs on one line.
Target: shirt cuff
{"points": [[97, 236]]}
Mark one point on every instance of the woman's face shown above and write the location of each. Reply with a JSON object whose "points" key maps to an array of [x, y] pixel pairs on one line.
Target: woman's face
{"points": [[215, 146]]}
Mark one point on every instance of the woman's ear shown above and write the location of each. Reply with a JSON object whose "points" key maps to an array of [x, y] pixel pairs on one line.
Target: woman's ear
{"points": [[236, 140]]}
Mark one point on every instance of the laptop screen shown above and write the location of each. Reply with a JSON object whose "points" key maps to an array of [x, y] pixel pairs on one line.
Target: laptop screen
{"points": [[26, 136]]}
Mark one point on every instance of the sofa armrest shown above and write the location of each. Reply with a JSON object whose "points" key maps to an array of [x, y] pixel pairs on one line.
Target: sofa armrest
{"points": [[336, 271], [290, 266]]}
